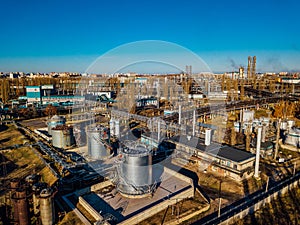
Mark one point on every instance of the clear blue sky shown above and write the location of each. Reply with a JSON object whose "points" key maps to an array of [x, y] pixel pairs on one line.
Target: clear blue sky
{"points": [[62, 35]]}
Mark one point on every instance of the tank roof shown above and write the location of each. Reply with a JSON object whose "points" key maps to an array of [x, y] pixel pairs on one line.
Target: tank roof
{"points": [[62, 127], [137, 149]]}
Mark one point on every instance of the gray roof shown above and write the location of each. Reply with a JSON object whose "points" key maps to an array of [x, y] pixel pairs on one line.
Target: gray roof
{"points": [[215, 149]]}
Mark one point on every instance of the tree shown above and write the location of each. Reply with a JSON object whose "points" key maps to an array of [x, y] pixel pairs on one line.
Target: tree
{"points": [[50, 110]]}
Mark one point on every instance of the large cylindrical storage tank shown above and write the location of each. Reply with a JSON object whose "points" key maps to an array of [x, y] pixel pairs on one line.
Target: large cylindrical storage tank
{"points": [[55, 121], [62, 136], [135, 171], [20, 205], [47, 207], [98, 137], [293, 137]]}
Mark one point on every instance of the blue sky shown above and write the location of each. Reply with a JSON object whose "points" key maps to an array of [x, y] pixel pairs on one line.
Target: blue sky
{"points": [[69, 35]]}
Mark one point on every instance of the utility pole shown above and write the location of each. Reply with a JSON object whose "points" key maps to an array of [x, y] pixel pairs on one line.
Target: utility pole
{"points": [[294, 171], [220, 200]]}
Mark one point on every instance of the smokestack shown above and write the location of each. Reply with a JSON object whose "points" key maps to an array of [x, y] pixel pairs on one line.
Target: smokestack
{"points": [[249, 67], [194, 122], [179, 115], [207, 137], [256, 169], [158, 93], [254, 66]]}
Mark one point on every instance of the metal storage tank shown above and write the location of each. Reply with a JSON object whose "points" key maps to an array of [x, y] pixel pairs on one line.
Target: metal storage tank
{"points": [[237, 126], [293, 137], [62, 136], [248, 115], [47, 207], [20, 205], [54, 121], [98, 137], [290, 123], [283, 125], [135, 171]]}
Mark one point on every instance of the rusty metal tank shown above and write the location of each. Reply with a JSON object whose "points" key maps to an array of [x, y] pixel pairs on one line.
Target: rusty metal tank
{"points": [[20, 206]]}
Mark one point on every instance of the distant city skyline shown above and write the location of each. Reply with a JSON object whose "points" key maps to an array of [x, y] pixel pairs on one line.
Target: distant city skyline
{"points": [[39, 36]]}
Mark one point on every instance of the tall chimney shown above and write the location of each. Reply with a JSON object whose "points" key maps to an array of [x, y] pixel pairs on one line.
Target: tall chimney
{"points": [[256, 169], [249, 67]]}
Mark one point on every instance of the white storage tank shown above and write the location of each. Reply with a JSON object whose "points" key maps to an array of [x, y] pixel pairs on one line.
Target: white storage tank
{"points": [[98, 137], [55, 121], [283, 125]]}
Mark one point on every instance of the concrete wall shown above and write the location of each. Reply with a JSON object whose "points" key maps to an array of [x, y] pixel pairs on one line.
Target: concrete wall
{"points": [[93, 188], [90, 209], [161, 206], [260, 204]]}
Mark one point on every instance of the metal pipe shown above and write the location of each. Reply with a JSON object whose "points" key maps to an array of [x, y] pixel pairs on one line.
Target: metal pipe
{"points": [[194, 122], [256, 169]]}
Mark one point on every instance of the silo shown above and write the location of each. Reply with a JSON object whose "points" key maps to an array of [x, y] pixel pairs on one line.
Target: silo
{"points": [[46, 207], [98, 137], [20, 205], [54, 121], [135, 171], [62, 136], [36, 189]]}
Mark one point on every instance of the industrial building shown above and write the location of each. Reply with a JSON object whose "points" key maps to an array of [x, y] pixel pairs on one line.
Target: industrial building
{"points": [[222, 159]]}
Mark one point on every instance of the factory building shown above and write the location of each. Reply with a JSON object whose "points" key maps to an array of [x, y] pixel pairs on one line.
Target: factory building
{"points": [[222, 159]]}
